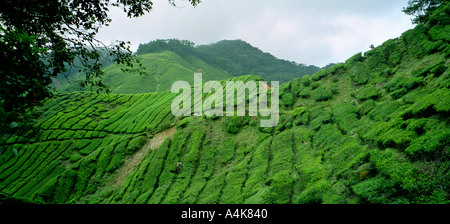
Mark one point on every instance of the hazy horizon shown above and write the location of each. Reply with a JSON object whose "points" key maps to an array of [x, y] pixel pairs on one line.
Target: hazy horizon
{"points": [[304, 31]]}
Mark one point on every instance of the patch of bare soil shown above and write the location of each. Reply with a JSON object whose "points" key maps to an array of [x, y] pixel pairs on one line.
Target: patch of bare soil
{"points": [[134, 160]]}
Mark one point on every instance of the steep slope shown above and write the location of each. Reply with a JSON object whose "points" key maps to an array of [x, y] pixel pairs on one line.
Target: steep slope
{"points": [[161, 70], [374, 129], [82, 142], [75, 131]]}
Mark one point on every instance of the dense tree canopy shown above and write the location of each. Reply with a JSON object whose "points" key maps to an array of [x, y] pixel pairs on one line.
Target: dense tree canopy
{"points": [[422, 9], [41, 38], [181, 47]]}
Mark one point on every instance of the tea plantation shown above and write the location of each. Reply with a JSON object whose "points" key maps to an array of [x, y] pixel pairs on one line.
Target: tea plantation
{"points": [[374, 129], [160, 71]]}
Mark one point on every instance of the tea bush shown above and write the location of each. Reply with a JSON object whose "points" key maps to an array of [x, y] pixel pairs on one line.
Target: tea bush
{"points": [[345, 116], [280, 188], [354, 59], [432, 144], [319, 75], [383, 110], [367, 92], [321, 94]]}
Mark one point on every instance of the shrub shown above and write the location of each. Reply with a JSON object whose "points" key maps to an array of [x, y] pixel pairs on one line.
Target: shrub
{"points": [[164, 126], [304, 93], [367, 92], [396, 166], [78, 134], [399, 93], [81, 123], [60, 134], [300, 115], [376, 190], [299, 111], [431, 47], [396, 138], [395, 58], [135, 144], [416, 95], [80, 144], [59, 189], [438, 32], [402, 82], [376, 60], [361, 78], [393, 51], [423, 72], [280, 188], [355, 58], [438, 70], [118, 157], [194, 146], [75, 157], [116, 162], [233, 124], [296, 86], [416, 125], [183, 123], [337, 69], [322, 94], [287, 99], [345, 115], [366, 107], [305, 80], [314, 192], [315, 85], [428, 144], [226, 151], [105, 157], [327, 137], [383, 110], [413, 39], [319, 75], [334, 88], [437, 101], [446, 51], [91, 147]]}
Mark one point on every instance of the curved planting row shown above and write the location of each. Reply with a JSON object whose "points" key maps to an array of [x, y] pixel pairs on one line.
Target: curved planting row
{"points": [[74, 130]]}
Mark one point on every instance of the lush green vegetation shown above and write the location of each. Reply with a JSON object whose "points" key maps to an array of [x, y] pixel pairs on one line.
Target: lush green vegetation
{"points": [[166, 61], [236, 57], [161, 70], [374, 129]]}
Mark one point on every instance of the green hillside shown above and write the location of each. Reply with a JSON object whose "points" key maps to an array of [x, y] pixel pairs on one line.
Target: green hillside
{"points": [[161, 70], [240, 58], [374, 129], [237, 57], [166, 61]]}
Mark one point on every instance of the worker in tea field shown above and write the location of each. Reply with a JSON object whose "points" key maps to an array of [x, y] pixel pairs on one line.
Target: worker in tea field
{"points": [[179, 165]]}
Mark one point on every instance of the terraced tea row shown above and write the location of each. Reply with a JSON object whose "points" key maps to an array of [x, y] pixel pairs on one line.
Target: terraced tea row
{"points": [[76, 130], [160, 71], [75, 127]]}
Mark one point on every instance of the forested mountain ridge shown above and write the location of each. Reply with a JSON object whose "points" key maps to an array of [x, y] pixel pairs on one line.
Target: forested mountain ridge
{"points": [[237, 57], [374, 129], [167, 60]]}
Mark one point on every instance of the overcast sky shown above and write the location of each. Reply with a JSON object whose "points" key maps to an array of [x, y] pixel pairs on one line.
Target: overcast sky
{"points": [[312, 32]]}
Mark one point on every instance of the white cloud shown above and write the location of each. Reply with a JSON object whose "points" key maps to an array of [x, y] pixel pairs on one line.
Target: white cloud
{"points": [[306, 31]]}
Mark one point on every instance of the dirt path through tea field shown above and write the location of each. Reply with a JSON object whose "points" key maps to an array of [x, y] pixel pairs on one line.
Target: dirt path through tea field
{"points": [[131, 162]]}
